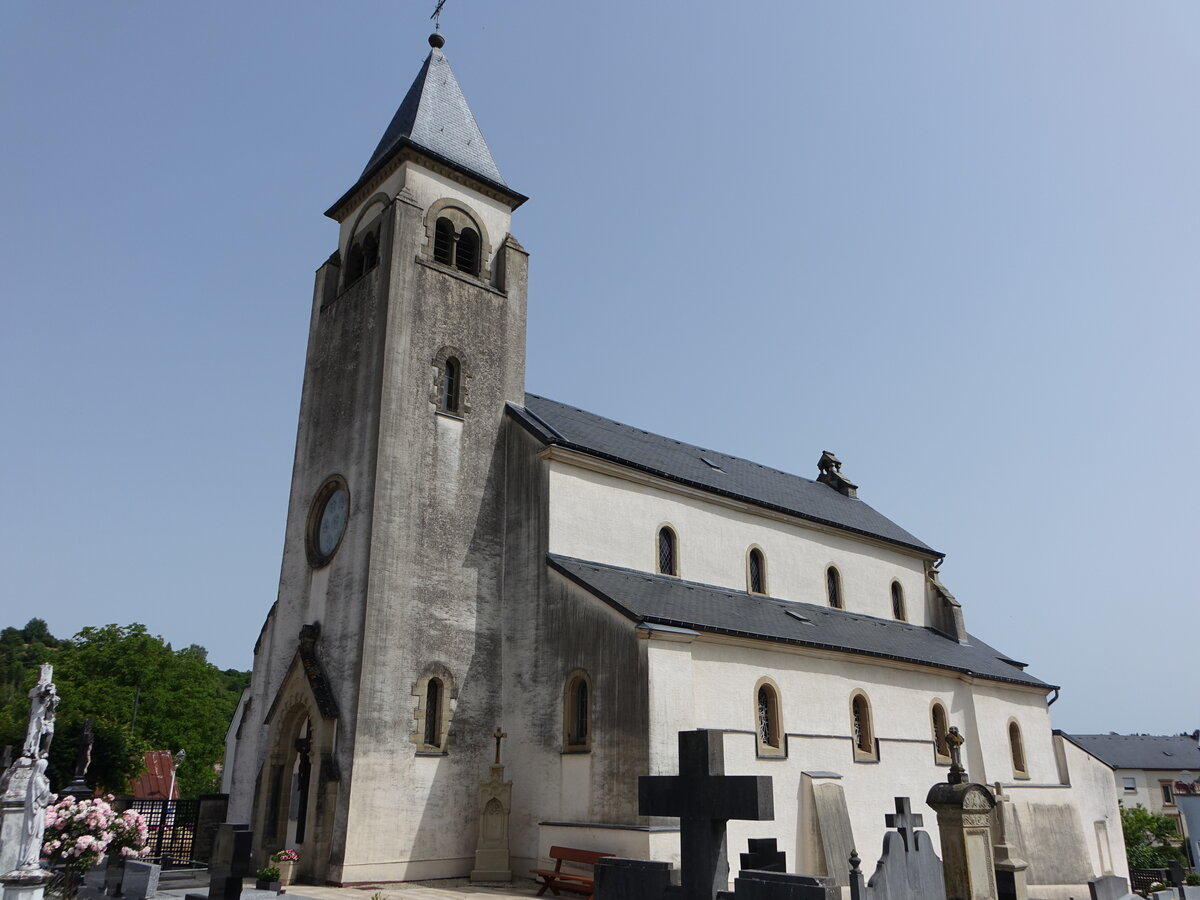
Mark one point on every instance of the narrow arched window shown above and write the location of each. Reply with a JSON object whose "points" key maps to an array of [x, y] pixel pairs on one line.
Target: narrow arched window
{"points": [[833, 587], [668, 561], [443, 242], [451, 377], [1017, 746], [862, 730], [466, 255], [941, 727], [433, 713], [757, 571], [898, 602], [370, 251], [577, 723], [354, 264]]}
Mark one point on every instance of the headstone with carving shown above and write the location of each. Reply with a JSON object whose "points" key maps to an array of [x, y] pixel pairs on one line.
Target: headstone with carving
{"points": [[495, 804], [24, 796], [704, 799], [964, 815]]}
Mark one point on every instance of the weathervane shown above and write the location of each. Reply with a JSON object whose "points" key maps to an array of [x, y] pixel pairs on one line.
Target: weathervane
{"points": [[437, 16]]}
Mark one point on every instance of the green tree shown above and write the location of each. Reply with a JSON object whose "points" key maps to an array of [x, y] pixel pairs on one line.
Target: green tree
{"points": [[139, 693], [1148, 838]]}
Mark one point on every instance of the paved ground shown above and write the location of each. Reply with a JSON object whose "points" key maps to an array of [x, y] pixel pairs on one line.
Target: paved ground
{"points": [[446, 889]]}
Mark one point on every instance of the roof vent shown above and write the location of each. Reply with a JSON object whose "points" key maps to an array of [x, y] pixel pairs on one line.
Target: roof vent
{"points": [[712, 465], [830, 468]]}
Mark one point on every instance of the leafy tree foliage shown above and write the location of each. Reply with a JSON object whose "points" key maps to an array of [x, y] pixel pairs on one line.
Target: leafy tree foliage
{"points": [[1148, 838], [140, 694]]}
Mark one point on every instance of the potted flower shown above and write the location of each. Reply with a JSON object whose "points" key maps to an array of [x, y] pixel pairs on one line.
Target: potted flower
{"points": [[77, 835], [267, 879], [286, 860]]}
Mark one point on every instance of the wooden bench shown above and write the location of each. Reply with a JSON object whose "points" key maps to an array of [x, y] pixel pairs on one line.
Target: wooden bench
{"points": [[572, 881]]}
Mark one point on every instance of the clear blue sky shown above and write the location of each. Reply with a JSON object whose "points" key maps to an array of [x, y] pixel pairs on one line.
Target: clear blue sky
{"points": [[957, 244]]}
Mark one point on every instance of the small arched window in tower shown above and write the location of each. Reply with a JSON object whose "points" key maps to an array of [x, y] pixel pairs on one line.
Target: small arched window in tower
{"points": [[354, 264], [898, 612], [451, 381], [668, 555], [941, 727], [433, 713], [370, 251], [833, 587], [443, 242], [862, 730], [577, 721], [1017, 745], [757, 571], [466, 256], [768, 719]]}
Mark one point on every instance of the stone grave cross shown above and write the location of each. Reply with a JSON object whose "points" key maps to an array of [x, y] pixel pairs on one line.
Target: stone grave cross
{"points": [[499, 736], [905, 821], [954, 738], [704, 799]]}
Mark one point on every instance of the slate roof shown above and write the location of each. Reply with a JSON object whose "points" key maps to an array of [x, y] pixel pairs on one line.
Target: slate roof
{"points": [[730, 476], [673, 602], [1142, 751], [434, 118]]}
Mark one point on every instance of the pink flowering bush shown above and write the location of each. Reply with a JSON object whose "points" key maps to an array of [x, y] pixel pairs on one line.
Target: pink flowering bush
{"points": [[129, 836], [80, 832]]}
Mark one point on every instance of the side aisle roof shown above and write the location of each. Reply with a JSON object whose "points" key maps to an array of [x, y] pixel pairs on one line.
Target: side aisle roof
{"points": [[729, 476]]}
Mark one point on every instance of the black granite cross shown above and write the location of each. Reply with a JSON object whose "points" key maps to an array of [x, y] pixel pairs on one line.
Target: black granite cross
{"points": [[704, 798], [905, 821]]}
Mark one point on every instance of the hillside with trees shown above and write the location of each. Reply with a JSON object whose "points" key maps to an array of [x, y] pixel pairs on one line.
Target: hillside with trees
{"points": [[139, 692]]}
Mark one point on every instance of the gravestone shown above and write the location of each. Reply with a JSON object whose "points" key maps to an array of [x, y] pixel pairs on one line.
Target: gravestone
{"points": [[704, 799], [78, 788], [1110, 887], [764, 856], [230, 863], [833, 824], [631, 879], [1010, 866], [908, 869], [141, 880], [781, 886], [1176, 873], [495, 803], [24, 796]]}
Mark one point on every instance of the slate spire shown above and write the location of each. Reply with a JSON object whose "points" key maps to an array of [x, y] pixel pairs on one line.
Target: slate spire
{"points": [[435, 117]]}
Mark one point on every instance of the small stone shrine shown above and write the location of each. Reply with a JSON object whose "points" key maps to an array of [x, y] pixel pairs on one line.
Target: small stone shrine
{"points": [[964, 816], [495, 803], [24, 796], [230, 863], [908, 869], [704, 799]]}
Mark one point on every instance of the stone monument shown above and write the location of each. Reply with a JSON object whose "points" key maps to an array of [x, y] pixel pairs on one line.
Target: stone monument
{"points": [[495, 803], [1010, 867], [964, 815], [78, 788], [24, 796], [908, 869]]}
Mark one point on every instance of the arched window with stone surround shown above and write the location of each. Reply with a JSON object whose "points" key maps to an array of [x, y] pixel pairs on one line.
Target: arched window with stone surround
{"points": [[862, 729], [940, 723], [436, 694], [466, 254], [833, 587], [355, 264], [443, 242], [768, 718], [451, 380], [668, 551], [433, 713], [577, 712], [898, 611], [756, 571], [1017, 746]]}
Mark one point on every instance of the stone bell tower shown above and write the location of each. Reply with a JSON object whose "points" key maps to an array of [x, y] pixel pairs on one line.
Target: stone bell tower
{"points": [[375, 683]]}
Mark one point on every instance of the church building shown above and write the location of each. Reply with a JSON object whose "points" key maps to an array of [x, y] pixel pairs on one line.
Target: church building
{"points": [[462, 556]]}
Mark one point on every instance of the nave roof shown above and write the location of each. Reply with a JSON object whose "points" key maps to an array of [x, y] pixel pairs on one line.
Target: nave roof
{"points": [[1142, 751], [673, 602]]}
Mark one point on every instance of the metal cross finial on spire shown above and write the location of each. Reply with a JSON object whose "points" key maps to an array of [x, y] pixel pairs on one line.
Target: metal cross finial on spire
{"points": [[437, 15]]}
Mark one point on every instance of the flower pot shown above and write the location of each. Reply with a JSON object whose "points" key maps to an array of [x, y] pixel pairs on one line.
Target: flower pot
{"points": [[263, 885], [287, 872]]}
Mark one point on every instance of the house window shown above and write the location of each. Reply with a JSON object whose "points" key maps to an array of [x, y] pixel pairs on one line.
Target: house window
{"points": [[443, 242], [833, 587], [668, 552], [433, 713], [577, 714], [450, 383], [1130, 784], [1168, 793], [1017, 746], [898, 602], [757, 571], [861, 729], [768, 718], [941, 727]]}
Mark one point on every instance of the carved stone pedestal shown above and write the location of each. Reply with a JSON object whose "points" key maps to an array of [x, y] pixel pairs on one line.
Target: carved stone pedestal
{"points": [[1010, 867], [24, 884], [491, 853], [964, 815]]}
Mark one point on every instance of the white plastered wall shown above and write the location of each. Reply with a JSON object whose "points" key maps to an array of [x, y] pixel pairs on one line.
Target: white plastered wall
{"points": [[603, 518]]}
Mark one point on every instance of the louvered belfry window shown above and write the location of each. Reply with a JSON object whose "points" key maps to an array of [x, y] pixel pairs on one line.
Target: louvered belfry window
{"points": [[443, 242], [466, 255], [666, 552]]}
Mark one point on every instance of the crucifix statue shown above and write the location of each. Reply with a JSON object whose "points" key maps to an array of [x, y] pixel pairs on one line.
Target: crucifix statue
{"points": [[43, 698], [958, 775], [498, 735]]}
